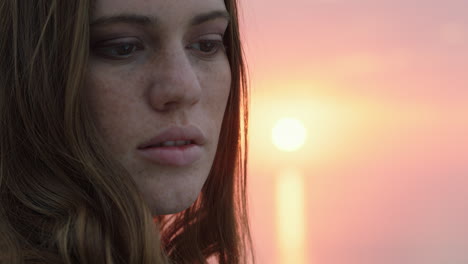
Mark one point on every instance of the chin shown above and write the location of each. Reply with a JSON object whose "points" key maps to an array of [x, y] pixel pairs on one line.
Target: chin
{"points": [[172, 191], [175, 203], [167, 210]]}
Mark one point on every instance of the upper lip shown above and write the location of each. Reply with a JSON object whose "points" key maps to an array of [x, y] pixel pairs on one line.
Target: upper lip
{"points": [[188, 133]]}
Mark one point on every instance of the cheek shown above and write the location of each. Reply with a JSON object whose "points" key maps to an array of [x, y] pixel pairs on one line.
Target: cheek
{"points": [[111, 105], [216, 84]]}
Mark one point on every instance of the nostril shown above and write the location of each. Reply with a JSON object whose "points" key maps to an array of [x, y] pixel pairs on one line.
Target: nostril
{"points": [[169, 106]]}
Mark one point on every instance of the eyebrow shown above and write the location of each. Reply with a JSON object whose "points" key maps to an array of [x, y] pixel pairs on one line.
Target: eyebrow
{"points": [[144, 20]]}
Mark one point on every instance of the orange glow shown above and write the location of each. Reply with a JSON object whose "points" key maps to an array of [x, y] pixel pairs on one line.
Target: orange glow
{"points": [[289, 134], [381, 87], [290, 217]]}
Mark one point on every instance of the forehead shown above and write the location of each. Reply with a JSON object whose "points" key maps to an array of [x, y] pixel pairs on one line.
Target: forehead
{"points": [[164, 10]]}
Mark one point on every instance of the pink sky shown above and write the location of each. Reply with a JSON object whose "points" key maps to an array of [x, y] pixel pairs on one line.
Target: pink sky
{"points": [[382, 88]]}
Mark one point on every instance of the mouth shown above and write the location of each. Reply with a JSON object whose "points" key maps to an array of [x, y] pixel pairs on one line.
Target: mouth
{"points": [[169, 154], [176, 136], [177, 143], [175, 146]]}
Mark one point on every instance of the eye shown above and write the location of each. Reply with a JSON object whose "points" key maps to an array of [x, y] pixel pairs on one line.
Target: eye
{"points": [[117, 50], [207, 47]]}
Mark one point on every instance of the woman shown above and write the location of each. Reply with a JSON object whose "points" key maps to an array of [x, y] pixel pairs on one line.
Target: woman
{"points": [[122, 134]]}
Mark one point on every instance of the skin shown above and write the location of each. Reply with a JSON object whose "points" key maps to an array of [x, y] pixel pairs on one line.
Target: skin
{"points": [[167, 78]]}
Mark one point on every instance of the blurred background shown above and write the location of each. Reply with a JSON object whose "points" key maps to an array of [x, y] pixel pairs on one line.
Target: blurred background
{"points": [[358, 131]]}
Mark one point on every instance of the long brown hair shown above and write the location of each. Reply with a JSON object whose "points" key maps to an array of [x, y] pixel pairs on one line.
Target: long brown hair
{"points": [[62, 198]]}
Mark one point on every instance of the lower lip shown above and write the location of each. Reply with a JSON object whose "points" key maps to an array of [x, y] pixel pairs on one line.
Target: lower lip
{"points": [[173, 156]]}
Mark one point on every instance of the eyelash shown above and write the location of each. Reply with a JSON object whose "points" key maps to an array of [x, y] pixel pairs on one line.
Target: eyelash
{"points": [[111, 50], [216, 46], [108, 51]]}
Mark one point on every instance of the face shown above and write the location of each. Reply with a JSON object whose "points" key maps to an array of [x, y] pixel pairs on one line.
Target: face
{"points": [[157, 85]]}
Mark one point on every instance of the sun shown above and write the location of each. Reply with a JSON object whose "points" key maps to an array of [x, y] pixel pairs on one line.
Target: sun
{"points": [[289, 134]]}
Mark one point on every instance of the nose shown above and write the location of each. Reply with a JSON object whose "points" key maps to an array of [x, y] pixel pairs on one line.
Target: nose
{"points": [[176, 83]]}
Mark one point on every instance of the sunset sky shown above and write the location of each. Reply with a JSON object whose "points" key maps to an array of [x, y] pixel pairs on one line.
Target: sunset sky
{"points": [[382, 90]]}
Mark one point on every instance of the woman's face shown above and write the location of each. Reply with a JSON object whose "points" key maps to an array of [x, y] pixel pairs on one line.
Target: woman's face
{"points": [[158, 84]]}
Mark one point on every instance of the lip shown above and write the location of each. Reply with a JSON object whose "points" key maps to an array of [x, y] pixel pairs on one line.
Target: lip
{"points": [[174, 155]]}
